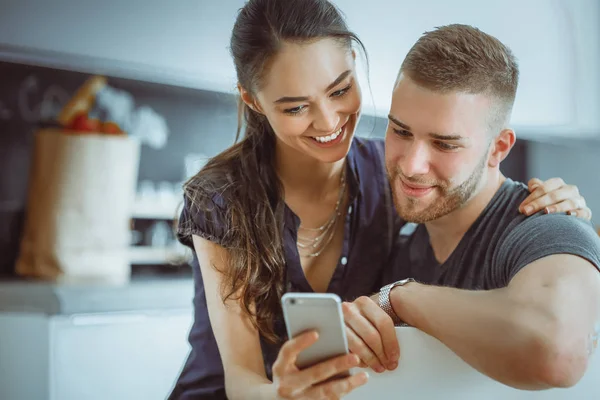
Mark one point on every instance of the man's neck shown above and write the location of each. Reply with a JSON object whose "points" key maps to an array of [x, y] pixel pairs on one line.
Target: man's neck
{"points": [[446, 233]]}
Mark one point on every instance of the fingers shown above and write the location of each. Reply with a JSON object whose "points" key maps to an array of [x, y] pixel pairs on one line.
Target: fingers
{"points": [[554, 196], [553, 184], [584, 213], [550, 193], [289, 351], [367, 334], [526, 207], [337, 388], [534, 183], [291, 382], [569, 206], [540, 189], [362, 350], [385, 327], [372, 327], [324, 371], [296, 384]]}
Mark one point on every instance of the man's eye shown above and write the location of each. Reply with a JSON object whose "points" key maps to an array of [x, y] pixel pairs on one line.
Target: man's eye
{"points": [[402, 133], [446, 146]]}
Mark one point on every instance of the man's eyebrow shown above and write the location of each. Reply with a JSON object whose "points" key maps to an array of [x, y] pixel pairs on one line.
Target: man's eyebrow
{"points": [[397, 122], [296, 99], [437, 136]]}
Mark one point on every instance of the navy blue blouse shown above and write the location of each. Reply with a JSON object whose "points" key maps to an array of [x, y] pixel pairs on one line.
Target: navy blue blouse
{"points": [[370, 238]]}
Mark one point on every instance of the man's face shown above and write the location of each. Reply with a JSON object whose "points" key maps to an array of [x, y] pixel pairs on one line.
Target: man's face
{"points": [[437, 150]]}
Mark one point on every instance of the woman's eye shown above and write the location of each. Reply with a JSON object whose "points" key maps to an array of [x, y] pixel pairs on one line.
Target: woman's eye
{"points": [[341, 92], [295, 110]]}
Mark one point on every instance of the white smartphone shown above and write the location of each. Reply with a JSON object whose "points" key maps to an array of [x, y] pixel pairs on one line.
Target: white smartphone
{"points": [[321, 312]]}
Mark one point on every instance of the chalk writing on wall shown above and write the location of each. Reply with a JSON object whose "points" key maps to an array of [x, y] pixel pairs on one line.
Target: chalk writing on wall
{"points": [[52, 100]]}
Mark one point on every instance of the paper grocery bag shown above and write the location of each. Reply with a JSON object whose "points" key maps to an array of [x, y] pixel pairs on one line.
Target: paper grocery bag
{"points": [[77, 222]]}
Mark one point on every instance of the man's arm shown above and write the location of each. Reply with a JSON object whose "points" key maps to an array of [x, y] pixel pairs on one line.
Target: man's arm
{"points": [[533, 334]]}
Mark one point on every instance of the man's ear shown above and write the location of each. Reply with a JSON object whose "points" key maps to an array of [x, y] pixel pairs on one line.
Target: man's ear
{"points": [[501, 146], [250, 100]]}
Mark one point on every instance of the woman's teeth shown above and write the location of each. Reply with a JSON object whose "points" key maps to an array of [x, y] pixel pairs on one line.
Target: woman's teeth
{"points": [[328, 138]]}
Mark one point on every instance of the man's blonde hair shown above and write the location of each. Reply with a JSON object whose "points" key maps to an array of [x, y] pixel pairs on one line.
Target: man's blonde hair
{"points": [[461, 58]]}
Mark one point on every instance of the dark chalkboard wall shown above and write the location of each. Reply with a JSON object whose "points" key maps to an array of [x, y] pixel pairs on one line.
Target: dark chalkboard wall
{"points": [[199, 122]]}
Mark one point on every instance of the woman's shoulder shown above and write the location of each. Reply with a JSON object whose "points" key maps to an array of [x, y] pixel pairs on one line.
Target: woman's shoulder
{"points": [[210, 187], [368, 150], [205, 203], [368, 156], [368, 145]]}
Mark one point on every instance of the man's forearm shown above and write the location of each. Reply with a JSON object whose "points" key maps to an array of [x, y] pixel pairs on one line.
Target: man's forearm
{"points": [[499, 336]]}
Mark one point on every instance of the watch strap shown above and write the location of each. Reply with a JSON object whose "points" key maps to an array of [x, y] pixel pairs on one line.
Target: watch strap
{"points": [[386, 305]]}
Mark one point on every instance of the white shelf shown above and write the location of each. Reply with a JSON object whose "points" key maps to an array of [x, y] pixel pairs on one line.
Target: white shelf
{"points": [[155, 210], [156, 255]]}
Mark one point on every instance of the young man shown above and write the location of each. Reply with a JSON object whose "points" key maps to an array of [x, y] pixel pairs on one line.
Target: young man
{"points": [[517, 298]]}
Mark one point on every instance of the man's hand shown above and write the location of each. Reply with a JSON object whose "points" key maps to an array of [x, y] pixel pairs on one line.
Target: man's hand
{"points": [[371, 334]]}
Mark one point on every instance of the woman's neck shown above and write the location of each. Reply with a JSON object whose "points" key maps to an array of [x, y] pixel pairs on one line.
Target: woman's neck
{"points": [[300, 173]]}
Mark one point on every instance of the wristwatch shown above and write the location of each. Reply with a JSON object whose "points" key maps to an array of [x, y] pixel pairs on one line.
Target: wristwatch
{"points": [[386, 305]]}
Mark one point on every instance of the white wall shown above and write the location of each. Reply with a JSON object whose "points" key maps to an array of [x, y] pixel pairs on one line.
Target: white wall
{"points": [[585, 24], [390, 29]]}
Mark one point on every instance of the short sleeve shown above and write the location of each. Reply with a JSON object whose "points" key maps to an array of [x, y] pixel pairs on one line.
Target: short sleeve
{"points": [[544, 235], [207, 220]]}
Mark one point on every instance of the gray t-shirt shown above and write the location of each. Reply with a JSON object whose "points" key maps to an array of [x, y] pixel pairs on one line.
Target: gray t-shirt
{"points": [[497, 246]]}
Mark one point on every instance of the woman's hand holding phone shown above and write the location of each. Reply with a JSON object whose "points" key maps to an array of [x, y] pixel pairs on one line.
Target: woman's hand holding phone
{"points": [[313, 382]]}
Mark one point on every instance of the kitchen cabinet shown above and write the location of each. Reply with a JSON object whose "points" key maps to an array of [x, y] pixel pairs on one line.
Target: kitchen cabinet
{"points": [[182, 42], [133, 355], [186, 43], [93, 341]]}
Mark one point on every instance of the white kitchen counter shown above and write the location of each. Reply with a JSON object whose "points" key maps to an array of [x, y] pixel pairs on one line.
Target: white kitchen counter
{"points": [[156, 293]]}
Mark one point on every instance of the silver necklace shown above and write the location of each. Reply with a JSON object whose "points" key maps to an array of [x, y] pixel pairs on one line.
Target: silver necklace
{"points": [[313, 247]]}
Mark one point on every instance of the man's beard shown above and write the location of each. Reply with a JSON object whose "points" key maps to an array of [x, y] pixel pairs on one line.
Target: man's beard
{"points": [[449, 199]]}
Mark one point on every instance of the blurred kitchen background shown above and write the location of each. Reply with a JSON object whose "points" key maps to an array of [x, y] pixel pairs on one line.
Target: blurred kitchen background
{"points": [[128, 341]]}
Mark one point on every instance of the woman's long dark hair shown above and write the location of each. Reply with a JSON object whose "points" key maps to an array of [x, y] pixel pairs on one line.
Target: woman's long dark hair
{"points": [[245, 175]]}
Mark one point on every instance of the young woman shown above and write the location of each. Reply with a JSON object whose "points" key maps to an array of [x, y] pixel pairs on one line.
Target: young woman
{"points": [[299, 204]]}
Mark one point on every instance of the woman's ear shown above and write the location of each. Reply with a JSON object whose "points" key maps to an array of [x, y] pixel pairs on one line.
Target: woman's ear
{"points": [[248, 99]]}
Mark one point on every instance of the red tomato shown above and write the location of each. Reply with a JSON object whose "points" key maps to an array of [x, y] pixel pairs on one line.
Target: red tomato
{"points": [[82, 123]]}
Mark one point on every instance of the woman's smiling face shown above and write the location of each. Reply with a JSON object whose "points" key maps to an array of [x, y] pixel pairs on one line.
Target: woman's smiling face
{"points": [[311, 98]]}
